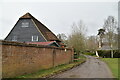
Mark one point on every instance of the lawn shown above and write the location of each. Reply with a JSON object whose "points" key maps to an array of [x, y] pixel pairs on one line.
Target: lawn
{"points": [[51, 71], [113, 65]]}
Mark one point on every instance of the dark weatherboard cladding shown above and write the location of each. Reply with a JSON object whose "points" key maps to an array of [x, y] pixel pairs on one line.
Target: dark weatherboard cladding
{"points": [[24, 34]]}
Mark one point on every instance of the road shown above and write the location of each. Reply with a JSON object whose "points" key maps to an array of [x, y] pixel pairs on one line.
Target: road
{"points": [[92, 68]]}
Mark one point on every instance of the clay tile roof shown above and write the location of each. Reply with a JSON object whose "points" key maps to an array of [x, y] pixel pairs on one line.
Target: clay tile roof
{"points": [[49, 35], [27, 15]]}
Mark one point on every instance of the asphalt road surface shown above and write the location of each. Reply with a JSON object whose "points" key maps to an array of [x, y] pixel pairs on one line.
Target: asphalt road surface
{"points": [[92, 68]]}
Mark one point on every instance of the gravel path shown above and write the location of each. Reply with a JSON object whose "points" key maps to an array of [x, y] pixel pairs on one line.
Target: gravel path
{"points": [[92, 68]]}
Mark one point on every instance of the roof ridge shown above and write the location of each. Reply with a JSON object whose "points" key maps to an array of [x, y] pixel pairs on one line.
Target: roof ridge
{"points": [[27, 15]]}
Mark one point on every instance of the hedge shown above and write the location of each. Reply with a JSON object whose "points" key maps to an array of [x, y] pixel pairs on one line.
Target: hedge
{"points": [[107, 53], [89, 53]]}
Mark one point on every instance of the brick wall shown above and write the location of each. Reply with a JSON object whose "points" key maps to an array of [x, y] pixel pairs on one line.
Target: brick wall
{"points": [[20, 58]]}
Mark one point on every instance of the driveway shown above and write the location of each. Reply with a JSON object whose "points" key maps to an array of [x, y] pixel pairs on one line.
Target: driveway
{"points": [[92, 68]]}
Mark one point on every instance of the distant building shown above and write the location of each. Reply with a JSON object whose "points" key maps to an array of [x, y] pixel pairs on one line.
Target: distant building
{"points": [[103, 43], [29, 29]]}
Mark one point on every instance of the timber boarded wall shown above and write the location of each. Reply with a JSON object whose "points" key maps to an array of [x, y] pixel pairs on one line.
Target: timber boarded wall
{"points": [[20, 58]]}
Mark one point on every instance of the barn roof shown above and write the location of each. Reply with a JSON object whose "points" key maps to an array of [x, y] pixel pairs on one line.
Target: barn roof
{"points": [[49, 35]]}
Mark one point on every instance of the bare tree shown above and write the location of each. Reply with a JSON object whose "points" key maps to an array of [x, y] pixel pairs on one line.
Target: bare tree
{"points": [[92, 43], [77, 37], [110, 26], [62, 37]]}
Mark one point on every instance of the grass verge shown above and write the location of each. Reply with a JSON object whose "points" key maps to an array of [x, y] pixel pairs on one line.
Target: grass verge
{"points": [[58, 69], [113, 65], [91, 54]]}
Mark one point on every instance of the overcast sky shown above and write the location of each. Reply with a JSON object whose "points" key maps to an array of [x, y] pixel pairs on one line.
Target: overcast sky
{"points": [[57, 16]]}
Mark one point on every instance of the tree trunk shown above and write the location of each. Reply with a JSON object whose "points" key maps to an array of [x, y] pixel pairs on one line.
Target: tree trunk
{"points": [[111, 53], [97, 54]]}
